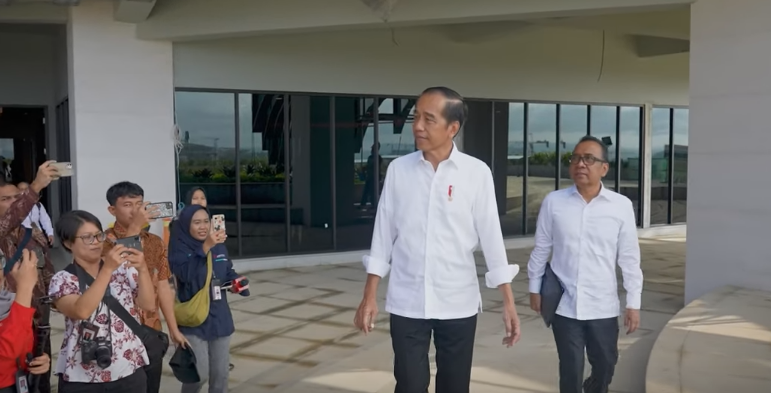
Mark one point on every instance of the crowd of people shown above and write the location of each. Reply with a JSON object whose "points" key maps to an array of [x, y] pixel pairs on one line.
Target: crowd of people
{"points": [[437, 205], [121, 280]]}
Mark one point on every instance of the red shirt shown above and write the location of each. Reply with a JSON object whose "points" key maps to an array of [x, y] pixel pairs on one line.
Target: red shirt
{"points": [[16, 341]]}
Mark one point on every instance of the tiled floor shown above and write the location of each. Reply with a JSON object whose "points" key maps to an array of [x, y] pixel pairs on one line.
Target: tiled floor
{"points": [[295, 333]]}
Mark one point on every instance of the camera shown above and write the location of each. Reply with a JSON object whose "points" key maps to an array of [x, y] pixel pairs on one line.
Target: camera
{"points": [[99, 350]]}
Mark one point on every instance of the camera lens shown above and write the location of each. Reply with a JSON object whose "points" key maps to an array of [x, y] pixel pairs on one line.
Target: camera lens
{"points": [[103, 356]]}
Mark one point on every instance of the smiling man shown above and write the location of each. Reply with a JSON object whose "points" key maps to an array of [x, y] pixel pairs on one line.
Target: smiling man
{"points": [[437, 205], [588, 229]]}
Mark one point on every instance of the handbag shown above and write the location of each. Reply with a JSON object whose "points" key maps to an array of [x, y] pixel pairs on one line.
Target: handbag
{"points": [[156, 342], [194, 312]]}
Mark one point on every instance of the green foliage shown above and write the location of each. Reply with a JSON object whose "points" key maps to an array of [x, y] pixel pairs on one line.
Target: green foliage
{"points": [[251, 171]]}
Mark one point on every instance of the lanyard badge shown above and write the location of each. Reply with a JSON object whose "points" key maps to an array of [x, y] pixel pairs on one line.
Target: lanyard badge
{"points": [[216, 289], [22, 385]]}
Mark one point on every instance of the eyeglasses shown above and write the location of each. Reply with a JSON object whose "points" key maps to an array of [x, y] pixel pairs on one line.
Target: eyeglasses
{"points": [[90, 238], [588, 159]]}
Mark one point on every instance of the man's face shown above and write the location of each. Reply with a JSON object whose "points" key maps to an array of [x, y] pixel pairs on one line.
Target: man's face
{"points": [[22, 186], [8, 194], [587, 166], [430, 127], [124, 209]]}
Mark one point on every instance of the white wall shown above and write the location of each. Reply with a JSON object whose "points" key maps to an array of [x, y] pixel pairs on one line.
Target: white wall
{"points": [[728, 183], [534, 63], [121, 109]]}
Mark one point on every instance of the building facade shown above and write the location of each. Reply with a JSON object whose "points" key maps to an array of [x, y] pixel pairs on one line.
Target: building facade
{"points": [[288, 113]]}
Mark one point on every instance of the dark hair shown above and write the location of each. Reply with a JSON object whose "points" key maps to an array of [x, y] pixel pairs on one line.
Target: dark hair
{"points": [[69, 223], [455, 108], [603, 146], [124, 189]]}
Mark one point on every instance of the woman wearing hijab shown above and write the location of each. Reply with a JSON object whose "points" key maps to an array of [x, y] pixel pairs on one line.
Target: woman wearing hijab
{"points": [[16, 334], [192, 242], [195, 196]]}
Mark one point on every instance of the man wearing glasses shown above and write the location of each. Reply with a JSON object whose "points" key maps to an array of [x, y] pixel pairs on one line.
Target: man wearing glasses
{"points": [[15, 206], [588, 229]]}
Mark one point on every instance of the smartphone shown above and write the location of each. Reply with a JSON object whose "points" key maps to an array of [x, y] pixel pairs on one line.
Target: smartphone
{"points": [[131, 242], [165, 209], [218, 222], [64, 168]]}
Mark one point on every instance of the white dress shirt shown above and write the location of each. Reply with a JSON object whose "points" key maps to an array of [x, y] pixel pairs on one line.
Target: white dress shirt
{"points": [[586, 241], [427, 227], [40, 217]]}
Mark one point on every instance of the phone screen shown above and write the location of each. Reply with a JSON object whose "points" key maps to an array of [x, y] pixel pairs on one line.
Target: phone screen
{"points": [[131, 242]]}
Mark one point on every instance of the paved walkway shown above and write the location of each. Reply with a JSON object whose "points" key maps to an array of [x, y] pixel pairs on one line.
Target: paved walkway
{"points": [[295, 333]]}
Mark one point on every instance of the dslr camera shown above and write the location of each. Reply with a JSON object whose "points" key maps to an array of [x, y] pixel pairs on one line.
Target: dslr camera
{"points": [[99, 349]]}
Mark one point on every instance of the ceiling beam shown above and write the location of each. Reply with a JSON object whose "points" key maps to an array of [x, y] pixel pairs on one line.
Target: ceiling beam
{"points": [[647, 46], [181, 20], [133, 11]]}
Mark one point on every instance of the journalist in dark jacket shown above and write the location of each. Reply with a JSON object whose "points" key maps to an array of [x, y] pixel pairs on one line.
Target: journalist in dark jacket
{"points": [[192, 240]]}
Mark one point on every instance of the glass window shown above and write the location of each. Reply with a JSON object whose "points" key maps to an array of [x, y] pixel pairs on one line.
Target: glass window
{"points": [[262, 229], [310, 157], [680, 165], [573, 119], [541, 157], [207, 127], [603, 127], [629, 156], [660, 133], [510, 207]]}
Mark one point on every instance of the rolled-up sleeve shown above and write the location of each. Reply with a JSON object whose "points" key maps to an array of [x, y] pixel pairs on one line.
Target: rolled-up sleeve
{"points": [[488, 227], [629, 259], [378, 262], [536, 266]]}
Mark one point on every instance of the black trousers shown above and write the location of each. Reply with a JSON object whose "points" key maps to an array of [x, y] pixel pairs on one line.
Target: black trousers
{"points": [[154, 372], [599, 338], [134, 383], [454, 343]]}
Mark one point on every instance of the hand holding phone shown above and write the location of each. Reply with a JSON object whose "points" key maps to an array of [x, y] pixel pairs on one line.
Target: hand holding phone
{"points": [[63, 169], [162, 209]]}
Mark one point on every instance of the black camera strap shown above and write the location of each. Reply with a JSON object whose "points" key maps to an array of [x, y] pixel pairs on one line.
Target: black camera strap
{"points": [[85, 279]]}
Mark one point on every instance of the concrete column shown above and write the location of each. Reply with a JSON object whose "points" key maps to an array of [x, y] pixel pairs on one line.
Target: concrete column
{"points": [[728, 182], [121, 93]]}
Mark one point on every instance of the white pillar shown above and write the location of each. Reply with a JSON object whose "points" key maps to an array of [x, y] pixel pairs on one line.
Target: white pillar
{"points": [[121, 93], [729, 146], [647, 163]]}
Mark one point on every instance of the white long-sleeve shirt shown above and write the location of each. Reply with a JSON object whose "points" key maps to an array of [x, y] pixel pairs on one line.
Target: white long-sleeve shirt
{"points": [[427, 227], [40, 217], [586, 241]]}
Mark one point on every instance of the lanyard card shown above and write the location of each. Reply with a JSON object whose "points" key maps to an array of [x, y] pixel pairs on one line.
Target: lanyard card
{"points": [[216, 289], [21, 382]]}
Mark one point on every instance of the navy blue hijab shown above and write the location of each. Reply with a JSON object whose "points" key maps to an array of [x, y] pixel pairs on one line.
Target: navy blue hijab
{"points": [[181, 243]]}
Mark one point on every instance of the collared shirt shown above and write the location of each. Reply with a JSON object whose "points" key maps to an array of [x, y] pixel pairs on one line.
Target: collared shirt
{"points": [[39, 216], [157, 265], [427, 227], [12, 233], [586, 241]]}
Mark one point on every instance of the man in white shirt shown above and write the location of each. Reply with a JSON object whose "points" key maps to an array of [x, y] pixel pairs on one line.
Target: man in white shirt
{"points": [[39, 216], [437, 204], [588, 229]]}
